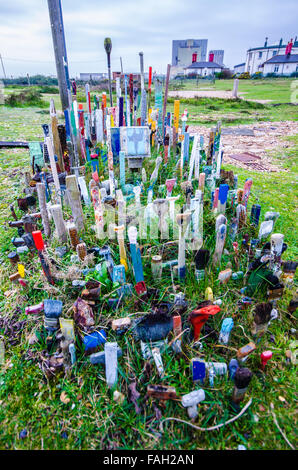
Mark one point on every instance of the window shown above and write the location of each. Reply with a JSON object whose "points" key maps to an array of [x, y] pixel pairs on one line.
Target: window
{"points": [[260, 55], [249, 56], [276, 69], [274, 53]]}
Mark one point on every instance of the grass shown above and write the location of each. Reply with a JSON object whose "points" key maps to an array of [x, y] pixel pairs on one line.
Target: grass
{"points": [[278, 90], [91, 419]]}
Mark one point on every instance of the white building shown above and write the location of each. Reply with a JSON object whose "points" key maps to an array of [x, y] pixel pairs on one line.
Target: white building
{"points": [[239, 68], [281, 65], [203, 68], [256, 56]]}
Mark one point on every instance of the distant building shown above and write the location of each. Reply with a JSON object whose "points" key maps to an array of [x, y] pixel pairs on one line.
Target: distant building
{"points": [[93, 76], [203, 68], [240, 68], [190, 51], [257, 56], [183, 50], [218, 56], [281, 64]]}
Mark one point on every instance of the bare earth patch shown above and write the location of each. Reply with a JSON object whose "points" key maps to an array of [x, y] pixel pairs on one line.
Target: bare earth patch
{"points": [[267, 137], [210, 94]]}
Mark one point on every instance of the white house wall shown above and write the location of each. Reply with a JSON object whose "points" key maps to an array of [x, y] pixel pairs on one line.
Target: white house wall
{"points": [[283, 69], [253, 61]]}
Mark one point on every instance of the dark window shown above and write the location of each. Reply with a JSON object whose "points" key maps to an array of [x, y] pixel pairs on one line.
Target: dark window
{"points": [[274, 53], [260, 54]]}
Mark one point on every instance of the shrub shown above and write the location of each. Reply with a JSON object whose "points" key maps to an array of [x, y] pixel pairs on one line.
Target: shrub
{"points": [[25, 98], [244, 76]]}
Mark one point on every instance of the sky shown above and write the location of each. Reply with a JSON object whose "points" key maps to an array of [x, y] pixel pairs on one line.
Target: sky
{"points": [[137, 25]]}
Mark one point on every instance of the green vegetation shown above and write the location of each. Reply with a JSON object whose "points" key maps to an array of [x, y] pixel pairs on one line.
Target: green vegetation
{"points": [[25, 98], [90, 419]]}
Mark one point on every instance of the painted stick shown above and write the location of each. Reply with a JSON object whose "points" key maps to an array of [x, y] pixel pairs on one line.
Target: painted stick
{"points": [[255, 214], [137, 192], [183, 222], [276, 246], [215, 200], [193, 157], [154, 175], [111, 174], [75, 201], [202, 182], [121, 207], [54, 169], [161, 208], [99, 125], [39, 244], [195, 207], [172, 200], [220, 241], [122, 169], [185, 144], [241, 215], [165, 98], [56, 140], [246, 191], [149, 86], [57, 215], [222, 198], [170, 185], [176, 114], [41, 192], [84, 191], [120, 236], [111, 362], [136, 260]]}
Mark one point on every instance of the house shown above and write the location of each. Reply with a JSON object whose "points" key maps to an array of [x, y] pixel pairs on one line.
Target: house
{"points": [[281, 64], [93, 76], [203, 68], [255, 57], [240, 68]]}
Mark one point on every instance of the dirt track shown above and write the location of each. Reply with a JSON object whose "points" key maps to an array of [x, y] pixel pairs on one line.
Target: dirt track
{"points": [[210, 94], [267, 137]]}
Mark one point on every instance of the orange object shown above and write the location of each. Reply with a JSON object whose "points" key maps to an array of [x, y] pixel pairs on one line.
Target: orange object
{"points": [[199, 317]]}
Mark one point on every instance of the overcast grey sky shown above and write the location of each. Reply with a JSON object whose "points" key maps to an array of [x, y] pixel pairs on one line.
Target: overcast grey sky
{"points": [[137, 25]]}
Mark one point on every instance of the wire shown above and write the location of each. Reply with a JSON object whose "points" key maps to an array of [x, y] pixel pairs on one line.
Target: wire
{"points": [[212, 428]]}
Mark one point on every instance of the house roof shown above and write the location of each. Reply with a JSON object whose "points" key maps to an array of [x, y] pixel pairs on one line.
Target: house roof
{"points": [[282, 46], [203, 65], [283, 59], [239, 65]]}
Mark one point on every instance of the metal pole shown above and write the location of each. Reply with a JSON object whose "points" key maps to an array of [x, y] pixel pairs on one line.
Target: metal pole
{"points": [[3, 66], [55, 12]]}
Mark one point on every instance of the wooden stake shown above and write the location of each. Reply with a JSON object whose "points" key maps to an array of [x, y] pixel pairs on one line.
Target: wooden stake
{"points": [[41, 193], [75, 201]]}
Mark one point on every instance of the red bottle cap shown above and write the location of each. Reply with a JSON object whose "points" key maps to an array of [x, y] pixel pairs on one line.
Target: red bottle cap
{"points": [[38, 240]]}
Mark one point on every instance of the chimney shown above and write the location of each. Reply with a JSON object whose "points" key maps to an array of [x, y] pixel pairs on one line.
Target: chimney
{"points": [[194, 57], [211, 57], [280, 42], [266, 42]]}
